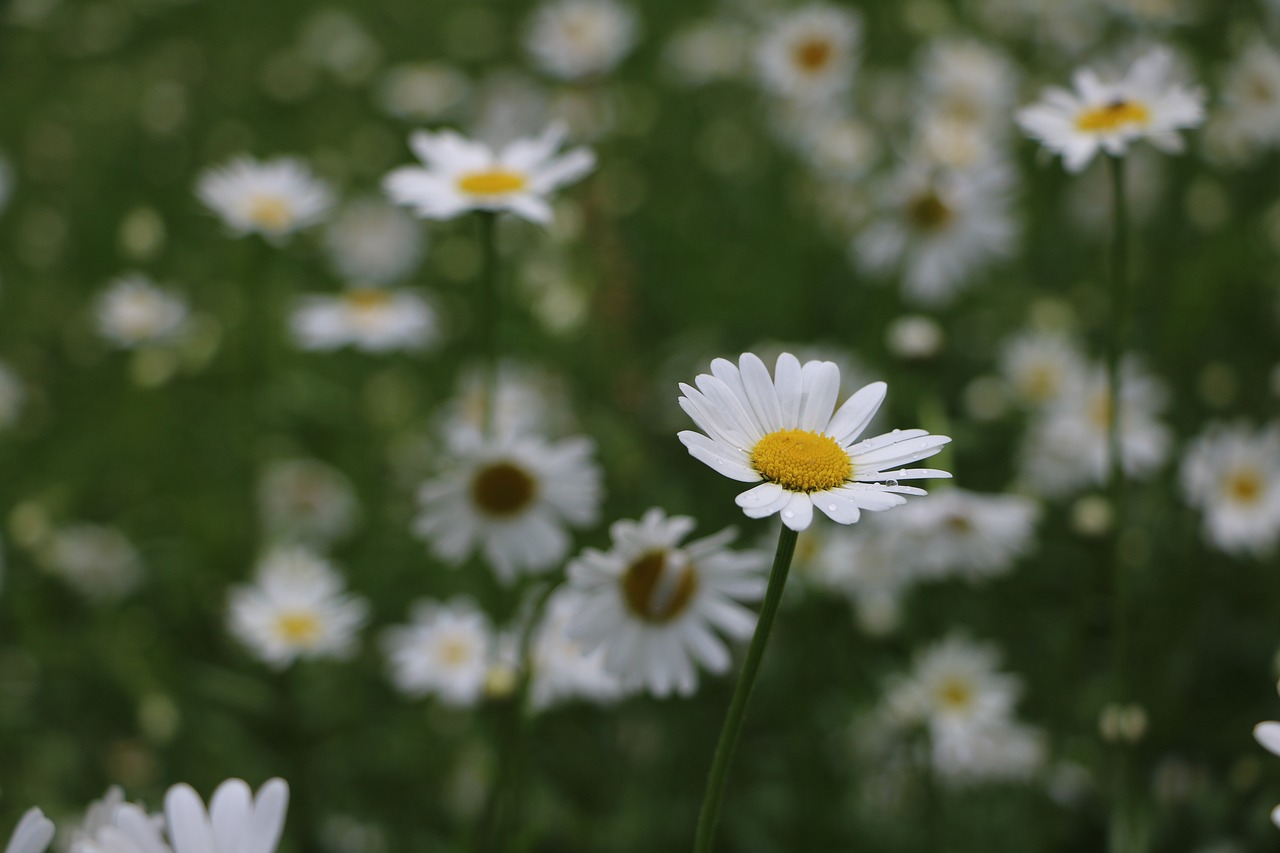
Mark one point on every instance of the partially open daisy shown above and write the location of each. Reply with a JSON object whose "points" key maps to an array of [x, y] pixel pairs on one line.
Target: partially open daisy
{"points": [[462, 175], [272, 198], [1148, 102], [781, 431]]}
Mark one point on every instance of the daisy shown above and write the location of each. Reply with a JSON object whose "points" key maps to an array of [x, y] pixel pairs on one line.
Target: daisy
{"points": [[959, 532], [809, 54], [462, 175], [1250, 113], [133, 312], [32, 834], [1039, 366], [562, 668], [445, 651], [372, 241], [120, 828], [1146, 103], [953, 688], [98, 561], [272, 198], [576, 39], [968, 83], [1267, 734], [425, 91], [868, 567], [1232, 473], [295, 608], [654, 606], [236, 821], [781, 431], [992, 752], [305, 499], [371, 319], [511, 498]]}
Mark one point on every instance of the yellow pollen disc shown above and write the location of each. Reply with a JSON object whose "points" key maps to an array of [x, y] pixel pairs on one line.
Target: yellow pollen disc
{"points": [[492, 182], [367, 298], [1113, 116], [657, 591], [1243, 486], [954, 693], [299, 628], [1041, 382], [270, 213], [801, 461], [928, 212], [455, 651], [502, 490], [961, 525], [813, 54]]}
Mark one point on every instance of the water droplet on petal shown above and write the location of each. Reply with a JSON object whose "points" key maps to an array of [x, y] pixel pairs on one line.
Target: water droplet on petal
{"points": [[789, 514], [831, 507], [892, 483]]}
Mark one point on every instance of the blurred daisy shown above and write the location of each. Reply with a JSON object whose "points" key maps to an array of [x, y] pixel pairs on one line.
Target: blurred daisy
{"points": [[296, 607], [1250, 114], [1148, 102], [98, 561], [307, 500], [133, 312], [940, 227], [32, 834], [953, 687], [11, 396], [445, 651], [997, 751], [424, 91], [119, 827], [562, 668], [1267, 734], [462, 175], [1040, 366], [235, 822], [510, 498], [1232, 473], [654, 607], [371, 319], [808, 54], [372, 241], [575, 39], [272, 198], [966, 82], [782, 431], [960, 532], [527, 398], [868, 567], [707, 51]]}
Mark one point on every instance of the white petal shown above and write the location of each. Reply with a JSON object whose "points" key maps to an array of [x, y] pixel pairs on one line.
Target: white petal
{"points": [[761, 394], [728, 461], [188, 823], [268, 816], [789, 387], [1268, 734], [838, 507], [853, 417], [799, 512], [821, 381], [229, 810], [762, 495]]}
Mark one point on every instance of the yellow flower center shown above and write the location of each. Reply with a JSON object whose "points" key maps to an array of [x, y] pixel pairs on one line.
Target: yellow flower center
{"points": [[455, 651], [813, 55], [928, 212], [1113, 116], [1243, 485], [502, 490], [299, 628], [1041, 383], [801, 461], [656, 590], [367, 298], [955, 694], [492, 182], [1100, 410], [270, 213]]}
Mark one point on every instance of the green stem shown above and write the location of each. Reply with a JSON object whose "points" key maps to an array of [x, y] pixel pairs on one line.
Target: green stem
{"points": [[742, 692], [489, 316]]}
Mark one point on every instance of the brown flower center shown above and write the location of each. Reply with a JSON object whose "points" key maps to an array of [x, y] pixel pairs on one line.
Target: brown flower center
{"points": [[658, 589], [502, 489]]}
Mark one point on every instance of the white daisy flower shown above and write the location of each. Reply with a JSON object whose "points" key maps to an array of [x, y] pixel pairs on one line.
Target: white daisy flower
{"points": [[444, 651], [967, 82], [12, 396], [98, 561], [305, 499], [462, 175], [782, 431], [295, 608], [32, 834], [1040, 366], [133, 312], [562, 668], [869, 567], [527, 398], [576, 39], [272, 198], [1232, 473], [991, 752], [371, 319], [809, 54], [1148, 102], [940, 227], [424, 91], [236, 821], [122, 828], [1249, 117], [654, 606], [966, 533], [372, 241], [511, 498], [953, 687]]}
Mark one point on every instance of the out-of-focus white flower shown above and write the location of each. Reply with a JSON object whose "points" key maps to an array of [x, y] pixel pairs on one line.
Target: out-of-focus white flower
{"points": [[12, 396], [32, 834], [98, 561], [967, 82], [235, 822], [118, 827], [869, 566], [511, 498], [562, 668], [575, 39], [462, 175], [425, 91], [1268, 735], [954, 531], [1232, 473], [809, 54], [706, 51], [1040, 366], [654, 606], [836, 146], [272, 198], [296, 607], [526, 399], [306, 500], [993, 752], [1249, 117], [444, 651], [372, 241], [914, 336], [1148, 102], [372, 319], [133, 312], [334, 40]]}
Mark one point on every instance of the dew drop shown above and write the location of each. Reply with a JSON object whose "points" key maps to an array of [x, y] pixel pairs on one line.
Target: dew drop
{"points": [[892, 483], [896, 431], [789, 514], [831, 507]]}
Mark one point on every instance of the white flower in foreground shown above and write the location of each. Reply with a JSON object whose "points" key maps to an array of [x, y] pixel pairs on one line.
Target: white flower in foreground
{"points": [[1232, 473], [133, 312], [32, 834], [236, 821], [654, 606], [295, 608], [272, 198], [373, 241], [809, 54], [462, 175], [1268, 735], [372, 319], [573, 39], [445, 651], [119, 827], [306, 499], [98, 561], [562, 668], [1148, 102], [511, 498], [782, 431], [966, 533]]}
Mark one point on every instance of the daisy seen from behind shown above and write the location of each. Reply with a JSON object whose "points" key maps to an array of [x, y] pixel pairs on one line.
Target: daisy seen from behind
{"points": [[1147, 102], [656, 608], [784, 433], [273, 198], [459, 175], [32, 834], [236, 821]]}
